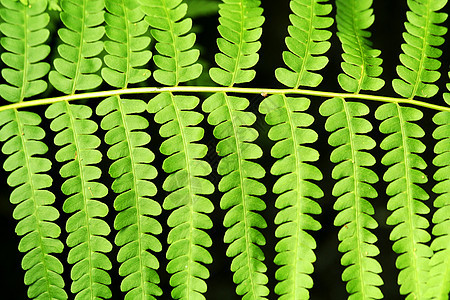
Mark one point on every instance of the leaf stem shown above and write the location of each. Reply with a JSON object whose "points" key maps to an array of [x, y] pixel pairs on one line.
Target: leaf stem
{"points": [[212, 89]]}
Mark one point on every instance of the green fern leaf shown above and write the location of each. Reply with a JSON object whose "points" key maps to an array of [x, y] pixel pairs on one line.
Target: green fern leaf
{"points": [[24, 36], [289, 123], [86, 229], [348, 127], [132, 172], [34, 210], [75, 69], [125, 27], [420, 61], [176, 60], [309, 23], [187, 240], [177, 63], [361, 63], [404, 174], [240, 30], [439, 281], [240, 189]]}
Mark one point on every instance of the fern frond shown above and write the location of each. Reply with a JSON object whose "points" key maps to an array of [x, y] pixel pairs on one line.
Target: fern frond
{"points": [[24, 37], [361, 63], [240, 30], [24, 30], [176, 61], [187, 240], [81, 44], [34, 210], [86, 229], [404, 176], [240, 189], [125, 27], [439, 281], [419, 59], [132, 172], [353, 189], [290, 130], [307, 43]]}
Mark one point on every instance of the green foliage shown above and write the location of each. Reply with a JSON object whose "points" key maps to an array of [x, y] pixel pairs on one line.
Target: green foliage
{"points": [[75, 69], [126, 28], [96, 44], [132, 172], [361, 63], [176, 61], [353, 190], [309, 23], [187, 240], [420, 56], [439, 279], [24, 37], [22, 139], [86, 230], [240, 30], [290, 130]]}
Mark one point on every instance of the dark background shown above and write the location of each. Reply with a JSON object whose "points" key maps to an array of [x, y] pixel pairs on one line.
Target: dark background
{"points": [[387, 29]]}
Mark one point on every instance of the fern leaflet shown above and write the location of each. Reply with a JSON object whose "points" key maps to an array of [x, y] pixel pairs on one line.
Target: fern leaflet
{"points": [[353, 189], [420, 61], [309, 23], [86, 230], [177, 63], [406, 195], [24, 37], [74, 71], [133, 173], [81, 44], [187, 240], [418, 74], [348, 128], [289, 123], [131, 167], [34, 208], [240, 30], [126, 28], [439, 281]]}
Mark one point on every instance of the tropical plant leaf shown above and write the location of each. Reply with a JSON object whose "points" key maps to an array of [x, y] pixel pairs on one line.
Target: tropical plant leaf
{"points": [[309, 23], [290, 130], [119, 79], [353, 189], [404, 176], [34, 203], [132, 172], [240, 30], [126, 29], [24, 35], [81, 44], [176, 61], [348, 126], [438, 286], [420, 64], [187, 239], [361, 63], [86, 229]]}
